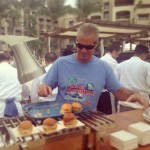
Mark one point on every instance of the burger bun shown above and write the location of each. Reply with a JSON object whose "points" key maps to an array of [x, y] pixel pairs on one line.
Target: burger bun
{"points": [[25, 128], [49, 124], [76, 107], [66, 108], [69, 119]]}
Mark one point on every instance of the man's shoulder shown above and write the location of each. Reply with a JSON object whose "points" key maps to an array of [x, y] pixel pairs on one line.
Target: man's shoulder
{"points": [[65, 57]]}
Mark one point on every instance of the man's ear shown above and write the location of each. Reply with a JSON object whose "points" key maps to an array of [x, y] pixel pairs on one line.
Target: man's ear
{"points": [[143, 56]]}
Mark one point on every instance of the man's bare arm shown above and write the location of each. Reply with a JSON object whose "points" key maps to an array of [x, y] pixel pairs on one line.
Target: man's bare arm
{"points": [[130, 96]]}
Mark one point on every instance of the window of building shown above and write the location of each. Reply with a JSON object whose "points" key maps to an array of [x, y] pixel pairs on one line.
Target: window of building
{"points": [[41, 21], [124, 2], [123, 15], [106, 5], [106, 14], [143, 16], [48, 22], [18, 32], [96, 17]]}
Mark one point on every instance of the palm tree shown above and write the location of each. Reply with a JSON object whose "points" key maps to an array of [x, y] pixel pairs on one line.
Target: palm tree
{"points": [[3, 10], [14, 15], [28, 7], [54, 9], [85, 7]]}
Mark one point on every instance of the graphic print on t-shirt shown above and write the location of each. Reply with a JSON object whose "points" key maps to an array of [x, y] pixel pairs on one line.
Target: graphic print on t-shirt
{"points": [[78, 89]]}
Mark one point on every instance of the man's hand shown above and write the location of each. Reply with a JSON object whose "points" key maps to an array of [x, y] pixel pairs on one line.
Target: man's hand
{"points": [[124, 94], [44, 90], [136, 97]]}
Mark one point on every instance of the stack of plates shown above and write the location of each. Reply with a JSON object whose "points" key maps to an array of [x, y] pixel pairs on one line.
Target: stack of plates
{"points": [[142, 130], [146, 115], [134, 105], [123, 140]]}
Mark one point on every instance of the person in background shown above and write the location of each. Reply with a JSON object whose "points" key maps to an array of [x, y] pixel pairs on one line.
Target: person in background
{"points": [[82, 76], [10, 89], [134, 73], [26, 92], [113, 53], [67, 52], [107, 103], [25, 88], [12, 62], [49, 60]]}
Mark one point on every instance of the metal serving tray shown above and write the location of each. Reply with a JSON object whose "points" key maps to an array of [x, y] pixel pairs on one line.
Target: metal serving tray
{"points": [[41, 110]]}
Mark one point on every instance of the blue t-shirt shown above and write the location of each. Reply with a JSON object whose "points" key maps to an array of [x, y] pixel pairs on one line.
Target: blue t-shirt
{"points": [[81, 82]]}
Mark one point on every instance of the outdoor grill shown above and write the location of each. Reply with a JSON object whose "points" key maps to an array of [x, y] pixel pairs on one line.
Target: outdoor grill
{"points": [[94, 121]]}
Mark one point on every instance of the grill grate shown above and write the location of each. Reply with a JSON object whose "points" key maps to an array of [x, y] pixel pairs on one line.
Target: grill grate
{"points": [[92, 120]]}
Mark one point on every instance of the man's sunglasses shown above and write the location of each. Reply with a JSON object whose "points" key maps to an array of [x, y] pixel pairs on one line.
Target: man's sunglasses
{"points": [[87, 47]]}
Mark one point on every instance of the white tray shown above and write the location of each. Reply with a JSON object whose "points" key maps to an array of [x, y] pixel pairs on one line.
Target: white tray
{"points": [[78, 124], [131, 104], [16, 134], [59, 128]]}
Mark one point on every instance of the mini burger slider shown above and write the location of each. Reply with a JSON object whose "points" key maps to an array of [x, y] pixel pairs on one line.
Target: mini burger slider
{"points": [[25, 128], [69, 119], [76, 107], [49, 124], [66, 108]]}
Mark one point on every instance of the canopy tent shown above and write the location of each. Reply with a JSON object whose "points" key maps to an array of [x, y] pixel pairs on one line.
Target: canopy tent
{"points": [[74, 34], [106, 30], [121, 29], [146, 39], [125, 32]]}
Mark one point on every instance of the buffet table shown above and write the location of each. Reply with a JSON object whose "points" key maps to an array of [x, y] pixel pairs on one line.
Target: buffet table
{"points": [[83, 136], [93, 136], [97, 140], [122, 120]]}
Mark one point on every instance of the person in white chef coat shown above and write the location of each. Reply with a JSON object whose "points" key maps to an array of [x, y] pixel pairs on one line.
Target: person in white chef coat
{"points": [[49, 60], [134, 73], [25, 88], [10, 89], [108, 105]]}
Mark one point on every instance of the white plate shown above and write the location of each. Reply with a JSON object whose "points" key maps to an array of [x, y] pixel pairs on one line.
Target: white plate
{"points": [[59, 128], [16, 134], [131, 104], [78, 124]]}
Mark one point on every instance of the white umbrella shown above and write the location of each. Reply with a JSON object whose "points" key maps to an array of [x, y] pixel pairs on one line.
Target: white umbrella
{"points": [[13, 39]]}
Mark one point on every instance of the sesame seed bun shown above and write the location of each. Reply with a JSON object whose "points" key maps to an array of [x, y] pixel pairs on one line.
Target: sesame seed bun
{"points": [[76, 107], [65, 108], [69, 119], [49, 124], [25, 128]]}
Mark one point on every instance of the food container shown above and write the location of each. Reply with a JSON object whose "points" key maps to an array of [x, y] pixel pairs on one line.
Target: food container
{"points": [[42, 110], [142, 130], [123, 140]]}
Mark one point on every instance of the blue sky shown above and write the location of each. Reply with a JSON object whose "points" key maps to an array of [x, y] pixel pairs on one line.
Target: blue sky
{"points": [[70, 2]]}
